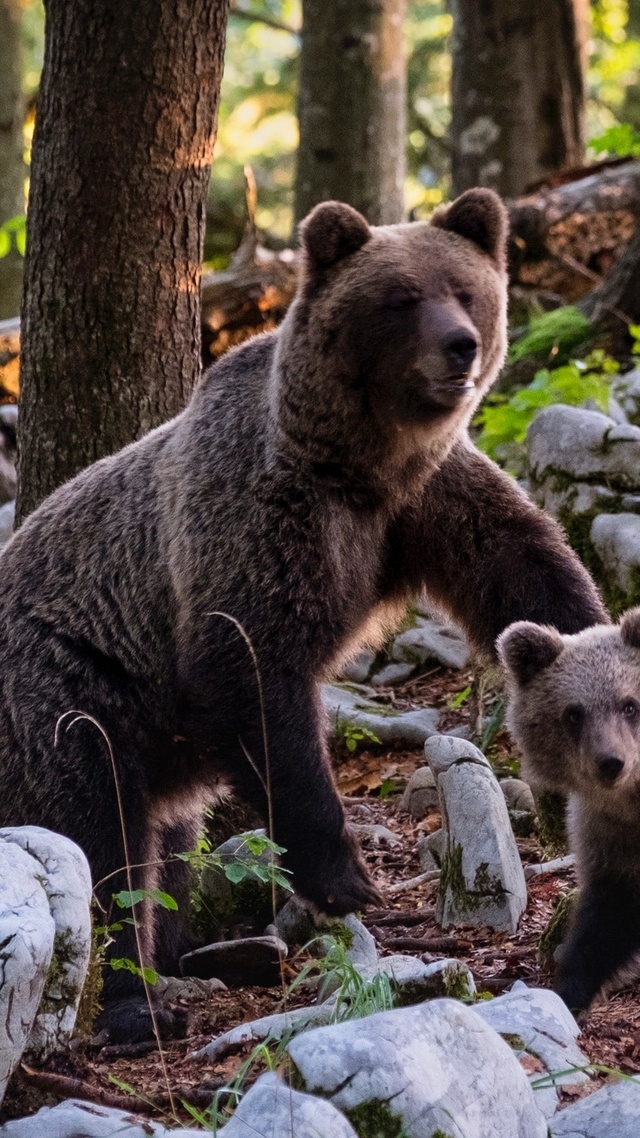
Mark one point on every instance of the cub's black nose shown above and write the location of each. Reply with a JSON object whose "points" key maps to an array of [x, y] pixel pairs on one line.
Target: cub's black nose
{"points": [[460, 349], [609, 767]]}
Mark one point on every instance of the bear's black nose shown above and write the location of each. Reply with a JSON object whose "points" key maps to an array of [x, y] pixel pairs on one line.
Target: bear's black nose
{"points": [[609, 767], [460, 349]]}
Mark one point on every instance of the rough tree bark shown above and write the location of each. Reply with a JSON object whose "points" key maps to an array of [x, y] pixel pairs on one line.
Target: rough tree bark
{"points": [[11, 164], [351, 107], [517, 91], [125, 125]]}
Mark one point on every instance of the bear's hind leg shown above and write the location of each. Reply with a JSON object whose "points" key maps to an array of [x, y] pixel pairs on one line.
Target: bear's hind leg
{"points": [[172, 933], [604, 938]]}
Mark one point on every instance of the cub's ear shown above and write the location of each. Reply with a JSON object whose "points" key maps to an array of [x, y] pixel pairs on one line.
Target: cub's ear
{"points": [[526, 649], [630, 628], [332, 231], [481, 217]]}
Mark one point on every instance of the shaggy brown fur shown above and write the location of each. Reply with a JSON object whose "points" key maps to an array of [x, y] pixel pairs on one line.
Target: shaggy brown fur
{"points": [[319, 477], [575, 713]]}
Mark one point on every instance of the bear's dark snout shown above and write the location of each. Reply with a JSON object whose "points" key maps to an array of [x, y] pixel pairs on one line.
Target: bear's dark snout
{"points": [[609, 767], [460, 349]]}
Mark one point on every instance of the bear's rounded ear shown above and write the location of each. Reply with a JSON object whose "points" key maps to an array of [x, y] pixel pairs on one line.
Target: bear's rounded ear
{"points": [[332, 231], [526, 649], [630, 628], [481, 217]]}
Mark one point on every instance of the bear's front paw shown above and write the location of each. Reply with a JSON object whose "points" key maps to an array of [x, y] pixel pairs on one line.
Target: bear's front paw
{"points": [[129, 1021], [338, 886]]}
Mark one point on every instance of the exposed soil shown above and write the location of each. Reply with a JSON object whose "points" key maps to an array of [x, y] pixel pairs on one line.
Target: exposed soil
{"points": [[370, 783]]}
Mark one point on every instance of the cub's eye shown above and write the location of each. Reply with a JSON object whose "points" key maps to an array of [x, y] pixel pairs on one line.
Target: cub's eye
{"points": [[573, 717], [401, 296], [465, 298], [630, 709]]}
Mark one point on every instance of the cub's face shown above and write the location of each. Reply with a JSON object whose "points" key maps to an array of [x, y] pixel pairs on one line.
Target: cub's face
{"points": [[412, 317], [575, 707]]}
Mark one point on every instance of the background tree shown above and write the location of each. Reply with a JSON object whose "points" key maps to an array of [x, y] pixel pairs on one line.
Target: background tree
{"points": [[517, 91], [351, 107], [125, 125], [12, 169]]}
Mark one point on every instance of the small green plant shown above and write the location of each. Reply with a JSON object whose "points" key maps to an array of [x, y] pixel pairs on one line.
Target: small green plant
{"points": [[389, 786], [13, 234], [505, 419], [456, 701], [353, 735], [552, 334], [621, 140]]}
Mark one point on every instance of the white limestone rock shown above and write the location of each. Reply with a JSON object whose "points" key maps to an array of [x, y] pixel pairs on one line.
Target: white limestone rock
{"points": [[76, 1119], [537, 1022], [7, 520], [436, 1066], [517, 795], [271, 1109], [616, 539], [585, 446], [66, 880], [624, 403], [349, 710], [431, 640], [482, 880], [27, 932], [612, 1112], [357, 670]]}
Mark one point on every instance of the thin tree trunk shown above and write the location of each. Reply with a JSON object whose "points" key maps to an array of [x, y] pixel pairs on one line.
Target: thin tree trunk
{"points": [[351, 107], [125, 125], [517, 91], [12, 170]]}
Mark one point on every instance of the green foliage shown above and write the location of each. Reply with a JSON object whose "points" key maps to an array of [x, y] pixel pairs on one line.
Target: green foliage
{"points": [[389, 786], [353, 735], [505, 418], [127, 900], [552, 334], [13, 234], [459, 698], [620, 140], [247, 861]]}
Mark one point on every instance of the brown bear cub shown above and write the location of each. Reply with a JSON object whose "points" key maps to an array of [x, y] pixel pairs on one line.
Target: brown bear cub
{"points": [[575, 713], [319, 478]]}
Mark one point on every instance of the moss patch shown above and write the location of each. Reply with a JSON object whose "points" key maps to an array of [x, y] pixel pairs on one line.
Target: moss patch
{"points": [[375, 1120], [557, 928], [551, 822]]}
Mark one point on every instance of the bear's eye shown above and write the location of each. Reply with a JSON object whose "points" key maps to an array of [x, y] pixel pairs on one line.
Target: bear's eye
{"points": [[401, 296], [630, 709], [573, 717], [465, 298]]}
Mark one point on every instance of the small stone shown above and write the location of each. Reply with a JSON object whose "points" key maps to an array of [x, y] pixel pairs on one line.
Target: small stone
{"points": [[238, 963], [274, 1110], [428, 862], [437, 843], [417, 981], [375, 833], [357, 671], [419, 795], [435, 1066], [392, 674], [517, 794], [188, 989], [294, 923], [431, 641]]}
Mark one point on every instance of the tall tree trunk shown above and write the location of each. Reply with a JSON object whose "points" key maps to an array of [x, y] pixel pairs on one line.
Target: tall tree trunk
{"points": [[517, 91], [125, 125], [12, 170], [352, 107]]}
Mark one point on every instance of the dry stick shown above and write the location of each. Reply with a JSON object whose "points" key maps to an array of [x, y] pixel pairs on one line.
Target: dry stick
{"points": [[404, 886], [79, 715], [67, 1087], [383, 918]]}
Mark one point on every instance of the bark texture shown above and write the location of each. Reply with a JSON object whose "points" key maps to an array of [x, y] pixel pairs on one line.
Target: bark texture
{"points": [[517, 91], [12, 169], [125, 126], [351, 107]]}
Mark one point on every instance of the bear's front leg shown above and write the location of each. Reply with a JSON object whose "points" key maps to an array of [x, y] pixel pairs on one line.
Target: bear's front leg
{"points": [[604, 938], [272, 749]]}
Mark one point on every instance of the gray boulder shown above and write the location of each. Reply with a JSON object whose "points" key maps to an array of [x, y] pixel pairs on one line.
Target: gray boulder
{"points": [[624, 403], [392, 674], [585, 446], [271, 1109], [517, 794], [616, 539], [349, 711], [7, 519], [75, 1119], [612, 1112], [482, 880], [434, 1067], [357, 671]]}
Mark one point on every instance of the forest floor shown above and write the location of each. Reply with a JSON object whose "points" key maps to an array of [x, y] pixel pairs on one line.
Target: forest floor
{"points": [[138, 1077]]}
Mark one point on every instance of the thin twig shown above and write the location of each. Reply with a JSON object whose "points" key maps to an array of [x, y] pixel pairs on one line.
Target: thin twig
{"points": [[404, 886], [263, 18]]}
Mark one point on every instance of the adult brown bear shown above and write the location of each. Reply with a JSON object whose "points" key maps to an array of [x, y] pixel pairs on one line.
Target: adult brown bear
{"points": [[320, 477]]}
